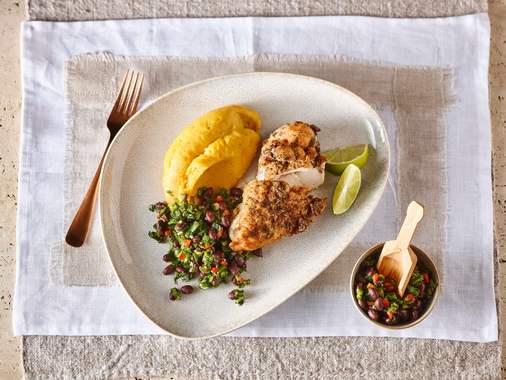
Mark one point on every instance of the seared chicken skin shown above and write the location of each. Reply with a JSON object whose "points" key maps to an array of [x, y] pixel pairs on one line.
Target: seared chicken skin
{"points": [[292, 154], [271, 210]]}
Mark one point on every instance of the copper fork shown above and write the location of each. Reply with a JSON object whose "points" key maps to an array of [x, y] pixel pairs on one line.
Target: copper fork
{"points": [[124, 107]]}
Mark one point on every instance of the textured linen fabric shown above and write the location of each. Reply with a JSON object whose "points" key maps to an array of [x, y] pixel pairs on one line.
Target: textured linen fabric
{"points": [[84, 310], [68, 10], [412, 100], [106, 357], [100, 357]]}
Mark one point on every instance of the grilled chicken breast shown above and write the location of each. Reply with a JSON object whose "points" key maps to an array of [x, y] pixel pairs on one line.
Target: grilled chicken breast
{"points": [[292, 154], [271, 210]]}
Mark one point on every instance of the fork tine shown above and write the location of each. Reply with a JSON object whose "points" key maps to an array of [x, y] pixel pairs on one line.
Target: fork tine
{"points": [[130, 94], [121, 89], [124, 94], [135, 98]]}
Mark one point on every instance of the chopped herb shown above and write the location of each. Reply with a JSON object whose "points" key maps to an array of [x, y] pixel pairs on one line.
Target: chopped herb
{"points": [[237, 295], [175, 294], [411, 289], [198, 240]]}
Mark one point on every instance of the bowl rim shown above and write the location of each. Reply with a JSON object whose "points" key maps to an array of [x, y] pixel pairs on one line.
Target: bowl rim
{"points": [[420, 255]]}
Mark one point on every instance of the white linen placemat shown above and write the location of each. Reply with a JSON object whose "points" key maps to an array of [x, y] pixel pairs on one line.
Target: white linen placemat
{"points": [[461, 43]]}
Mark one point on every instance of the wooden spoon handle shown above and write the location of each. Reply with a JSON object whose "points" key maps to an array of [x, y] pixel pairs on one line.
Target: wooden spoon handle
{"points": [[80, 226], [413, 215]]}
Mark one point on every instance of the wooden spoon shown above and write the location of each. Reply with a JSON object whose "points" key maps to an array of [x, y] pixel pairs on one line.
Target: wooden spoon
{"points": [[397, 259]]}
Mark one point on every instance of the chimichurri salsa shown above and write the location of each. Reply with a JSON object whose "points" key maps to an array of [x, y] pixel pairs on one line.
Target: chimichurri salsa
{"points": [[196, 233], [377, 295]]}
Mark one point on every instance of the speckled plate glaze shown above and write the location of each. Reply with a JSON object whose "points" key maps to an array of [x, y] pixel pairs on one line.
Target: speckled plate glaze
{"points": [[132, 179]]}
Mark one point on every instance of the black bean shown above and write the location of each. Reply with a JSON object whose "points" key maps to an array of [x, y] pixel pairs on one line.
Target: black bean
{"points": [[212, 233], [373, 314], [415, 314], [389, 288], [209, 192], [373, 294], [378, 305], [196, 239], [181, 226], [161, 226], [180, 269], [187, 289], [258, 252], [218, 255], [421, 288], [175, 244], [225, 221], [363, 304], [167, 257], [235, 192], [239, 260], [169, 269], [234, 269], [209, 216], [215, 281], [223, 206], [403, 314], [172, 297], [160, 205], [232, 294], [417, 305]]}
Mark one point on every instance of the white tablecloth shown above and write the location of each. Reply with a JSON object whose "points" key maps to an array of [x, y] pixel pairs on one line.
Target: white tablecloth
{"points": [[467, 308]]}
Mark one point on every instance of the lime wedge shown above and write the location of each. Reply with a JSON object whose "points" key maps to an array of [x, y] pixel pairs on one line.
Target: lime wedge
{"points": [[346, 190], [338, 159]]}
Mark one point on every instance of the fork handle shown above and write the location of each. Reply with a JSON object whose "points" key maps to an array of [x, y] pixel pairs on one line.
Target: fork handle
{"points": [[80, 226]]}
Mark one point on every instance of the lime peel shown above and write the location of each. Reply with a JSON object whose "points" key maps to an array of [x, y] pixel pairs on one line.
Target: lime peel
{"points": [[347, 189], [339, 159]]}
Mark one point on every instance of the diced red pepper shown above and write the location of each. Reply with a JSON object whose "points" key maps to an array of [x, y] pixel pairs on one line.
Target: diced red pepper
{"points": [[181, 256], [214, 269], [220, 233], [425, 277], [166, 232], [410, 298], [219, 198], [386, 303], [375, 278], [187, 242], [369, 286], [390, 314], [224, 262]]}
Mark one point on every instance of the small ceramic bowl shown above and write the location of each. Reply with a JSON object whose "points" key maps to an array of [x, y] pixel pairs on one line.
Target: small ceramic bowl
{"points": [[423, 259]]}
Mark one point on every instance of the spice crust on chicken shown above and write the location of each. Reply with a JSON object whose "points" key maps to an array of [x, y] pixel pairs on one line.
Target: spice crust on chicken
{"points": [[272, 210]]}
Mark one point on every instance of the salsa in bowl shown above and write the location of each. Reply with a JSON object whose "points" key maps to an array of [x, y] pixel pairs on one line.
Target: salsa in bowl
{"points": [[377, 298]]}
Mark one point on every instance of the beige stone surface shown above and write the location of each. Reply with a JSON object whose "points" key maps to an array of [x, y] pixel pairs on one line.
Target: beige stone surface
{"points": [[12, 13], [497, 80]]}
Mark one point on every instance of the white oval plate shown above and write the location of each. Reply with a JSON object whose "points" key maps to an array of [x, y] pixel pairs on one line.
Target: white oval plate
{"points": [[132, 180]]}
